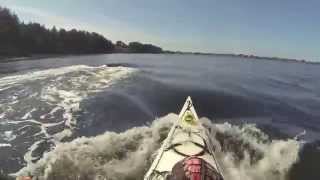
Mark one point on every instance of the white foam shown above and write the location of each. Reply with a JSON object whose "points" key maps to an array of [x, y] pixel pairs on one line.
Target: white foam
{"points": [[304, 132], [61, 89], [277, 156], [28, 156], [9, 136], [23, 121], [2, 115], [37, 75], [80, 86], [5, 145], [128, 155], [28, 114]]}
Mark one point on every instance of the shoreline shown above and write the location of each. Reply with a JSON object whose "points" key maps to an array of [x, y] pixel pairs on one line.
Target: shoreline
{"points": [[249, 57], [255, 57], [38, 56], [32, 57]]}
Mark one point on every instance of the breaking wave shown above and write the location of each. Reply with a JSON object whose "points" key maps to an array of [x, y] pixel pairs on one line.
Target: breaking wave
{"points": [[244, 152]]}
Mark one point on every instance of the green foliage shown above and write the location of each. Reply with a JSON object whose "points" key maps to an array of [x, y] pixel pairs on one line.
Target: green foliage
{"points": [[137, 47], [17, 39], [9, 30], [121, 44], [20, 39]]}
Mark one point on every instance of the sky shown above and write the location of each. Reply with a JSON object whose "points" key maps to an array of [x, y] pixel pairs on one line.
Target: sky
{"points": [[281, 28]]}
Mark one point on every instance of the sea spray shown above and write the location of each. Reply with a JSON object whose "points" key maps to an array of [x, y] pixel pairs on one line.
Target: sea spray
{"points": [[244, 152], [248, 153]]}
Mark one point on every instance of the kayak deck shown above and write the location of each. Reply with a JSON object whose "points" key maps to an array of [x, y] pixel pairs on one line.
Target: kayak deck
{"points": [[186, 138]]}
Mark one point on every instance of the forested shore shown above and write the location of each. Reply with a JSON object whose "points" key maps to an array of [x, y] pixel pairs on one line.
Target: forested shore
{"points": [[20, 39]]}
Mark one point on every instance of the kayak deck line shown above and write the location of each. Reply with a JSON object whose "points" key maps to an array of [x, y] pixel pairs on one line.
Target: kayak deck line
{"points": [[186, 138]]}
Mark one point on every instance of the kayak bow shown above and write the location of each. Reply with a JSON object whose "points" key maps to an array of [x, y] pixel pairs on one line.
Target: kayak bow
{"points": [[187, 138]]}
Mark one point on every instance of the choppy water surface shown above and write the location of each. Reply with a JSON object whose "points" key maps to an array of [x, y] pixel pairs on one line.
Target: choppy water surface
{"points": [[104, 116]]}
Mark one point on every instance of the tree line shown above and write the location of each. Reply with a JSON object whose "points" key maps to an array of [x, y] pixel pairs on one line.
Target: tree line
{"points": [[20, 39], [136, 47]]}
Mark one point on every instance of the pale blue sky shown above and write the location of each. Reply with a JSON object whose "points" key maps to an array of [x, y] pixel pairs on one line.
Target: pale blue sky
{"points": [[284, 28]]}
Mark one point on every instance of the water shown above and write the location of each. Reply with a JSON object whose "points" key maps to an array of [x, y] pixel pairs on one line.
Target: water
{"points": [[257, 107]]}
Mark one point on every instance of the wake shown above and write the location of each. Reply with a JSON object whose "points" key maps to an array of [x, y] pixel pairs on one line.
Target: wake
{"points": [[37, 108], [244, 152]]}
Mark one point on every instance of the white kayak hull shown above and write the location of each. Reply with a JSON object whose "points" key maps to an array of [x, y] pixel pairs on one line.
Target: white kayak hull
{"points": [[186, 138]]}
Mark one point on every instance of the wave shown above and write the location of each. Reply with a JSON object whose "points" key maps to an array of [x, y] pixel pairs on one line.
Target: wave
{"points": [[244, 152], [39, 107]]}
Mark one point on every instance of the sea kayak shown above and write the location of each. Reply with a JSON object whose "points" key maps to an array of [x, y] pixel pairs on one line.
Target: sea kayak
{"points": [[188, 138]]}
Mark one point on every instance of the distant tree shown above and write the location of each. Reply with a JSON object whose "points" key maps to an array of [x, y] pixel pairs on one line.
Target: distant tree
{"points": [[18, 39], [121, 44], [9, 32], [137, 47], [21, 39]]}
